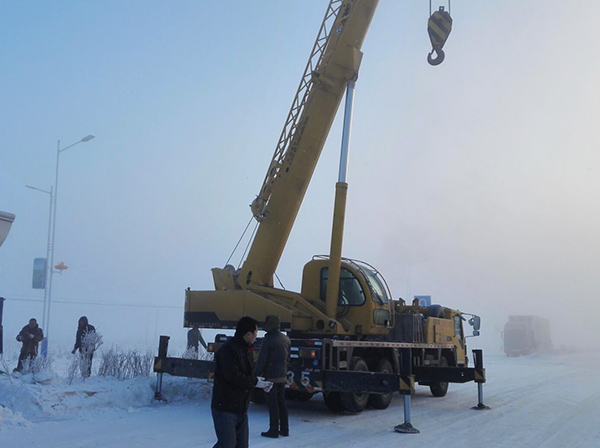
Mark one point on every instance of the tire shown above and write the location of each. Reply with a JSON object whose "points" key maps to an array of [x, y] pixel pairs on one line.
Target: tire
{"points": [[440, 388], [353, 402], [382, 401], [333, 401]]}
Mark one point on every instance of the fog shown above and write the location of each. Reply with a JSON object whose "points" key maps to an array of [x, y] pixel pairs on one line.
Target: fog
{"points": [[475, 182]]}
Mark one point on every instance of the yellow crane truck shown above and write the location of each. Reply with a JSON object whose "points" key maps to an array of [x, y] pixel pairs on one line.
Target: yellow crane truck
{"points": [[350, 340]]}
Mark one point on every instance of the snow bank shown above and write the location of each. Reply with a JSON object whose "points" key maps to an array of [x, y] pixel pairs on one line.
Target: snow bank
{"points": [[181, 389], [46, 396], [9, 418]]}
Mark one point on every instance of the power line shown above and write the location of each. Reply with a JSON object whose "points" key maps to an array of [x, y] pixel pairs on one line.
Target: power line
{"points": [[95, 303]]}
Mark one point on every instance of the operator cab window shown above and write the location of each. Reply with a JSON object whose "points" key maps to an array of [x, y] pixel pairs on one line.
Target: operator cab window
{"points": [[350, 293]]}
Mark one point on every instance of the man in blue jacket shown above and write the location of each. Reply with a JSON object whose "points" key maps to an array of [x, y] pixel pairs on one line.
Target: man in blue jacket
{"points": [[233, 383]]}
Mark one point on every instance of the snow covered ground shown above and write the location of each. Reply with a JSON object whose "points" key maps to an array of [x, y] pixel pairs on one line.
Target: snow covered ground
{"points": [[536, 401]]}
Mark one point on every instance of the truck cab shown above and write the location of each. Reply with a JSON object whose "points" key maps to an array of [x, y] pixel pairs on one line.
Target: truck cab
{"points": [[363, 307]]}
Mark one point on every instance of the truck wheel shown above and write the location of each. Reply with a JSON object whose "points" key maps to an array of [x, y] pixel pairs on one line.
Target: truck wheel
{"points": [[333, 401], [440, 388], [355, 403], [382, 401]]}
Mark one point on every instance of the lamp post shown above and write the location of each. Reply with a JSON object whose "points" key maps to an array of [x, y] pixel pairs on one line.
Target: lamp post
{"points": [[50, 248], [48, 266], [6, 220]]}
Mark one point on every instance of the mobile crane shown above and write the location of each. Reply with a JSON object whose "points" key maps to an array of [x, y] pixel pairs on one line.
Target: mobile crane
{"points": [[350, 339]]}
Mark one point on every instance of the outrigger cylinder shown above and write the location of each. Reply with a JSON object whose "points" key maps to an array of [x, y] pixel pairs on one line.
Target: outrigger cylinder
{"points": [[479, 379]]}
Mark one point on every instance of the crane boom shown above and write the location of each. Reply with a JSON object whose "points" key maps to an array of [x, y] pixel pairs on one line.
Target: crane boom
{"points": [[334, 61]]}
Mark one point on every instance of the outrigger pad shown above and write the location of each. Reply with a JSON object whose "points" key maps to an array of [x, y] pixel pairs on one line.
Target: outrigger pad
{"points": [[406, 428], [481, 407], [158, 396]]}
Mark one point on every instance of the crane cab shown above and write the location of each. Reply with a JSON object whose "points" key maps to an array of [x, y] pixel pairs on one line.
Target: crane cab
{"points": [[364, 305]]}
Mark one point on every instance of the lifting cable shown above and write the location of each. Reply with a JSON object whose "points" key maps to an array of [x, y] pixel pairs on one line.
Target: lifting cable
{"points": [[239, 241], [249, 242], [246, 250], [279, 280], [439, 26], [449, 7]]}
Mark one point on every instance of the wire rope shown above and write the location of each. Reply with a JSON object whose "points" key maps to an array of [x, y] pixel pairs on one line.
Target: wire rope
{"points": [[238, 243]]}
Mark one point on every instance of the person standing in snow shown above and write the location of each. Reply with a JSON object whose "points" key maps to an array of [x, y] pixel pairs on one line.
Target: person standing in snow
{"points": [[272, 364], [86, 349], [30, 336], [194, 339], [234, 381]]}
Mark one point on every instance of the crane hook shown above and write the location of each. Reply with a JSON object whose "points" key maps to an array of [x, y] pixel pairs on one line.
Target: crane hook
{"points": [[438, 59], [439, 26]]}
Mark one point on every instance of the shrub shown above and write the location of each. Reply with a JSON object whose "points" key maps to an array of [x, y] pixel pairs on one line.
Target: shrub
{"points": [[81, 365], [190, 353], [37, 364], [124, 365]]}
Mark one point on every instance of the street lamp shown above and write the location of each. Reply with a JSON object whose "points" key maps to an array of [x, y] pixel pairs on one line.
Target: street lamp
{"points": [[6, 220], [50, 248]]}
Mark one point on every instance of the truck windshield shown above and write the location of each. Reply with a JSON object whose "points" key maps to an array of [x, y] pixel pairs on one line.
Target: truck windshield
{"points": [[350, 291], [376, 284], [515, 338]]}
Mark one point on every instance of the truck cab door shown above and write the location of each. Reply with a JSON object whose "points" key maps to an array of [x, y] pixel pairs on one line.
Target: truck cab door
{"points": [[460, 339]]}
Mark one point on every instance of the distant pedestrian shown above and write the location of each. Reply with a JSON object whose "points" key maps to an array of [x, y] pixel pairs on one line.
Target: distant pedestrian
{"points": [[272, 364], [234, 381], [85, 346], [30, 336], [194, 339]]}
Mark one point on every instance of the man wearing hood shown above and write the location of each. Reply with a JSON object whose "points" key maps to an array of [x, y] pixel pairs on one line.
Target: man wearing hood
{"points": [[272, 364], [86, 350], [234, 381]]}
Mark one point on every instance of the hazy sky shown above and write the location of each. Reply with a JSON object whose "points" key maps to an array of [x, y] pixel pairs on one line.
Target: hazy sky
{"points": [[475, 181]]}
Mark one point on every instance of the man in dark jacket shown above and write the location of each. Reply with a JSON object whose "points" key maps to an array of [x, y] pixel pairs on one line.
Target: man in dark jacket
{"points": [[233, 382], [194, 339], [272, 364], [30, 336], [84, 345]]}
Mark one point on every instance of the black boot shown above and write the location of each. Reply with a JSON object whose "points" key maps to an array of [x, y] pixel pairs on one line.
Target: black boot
{"points": [[271, 434]]}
